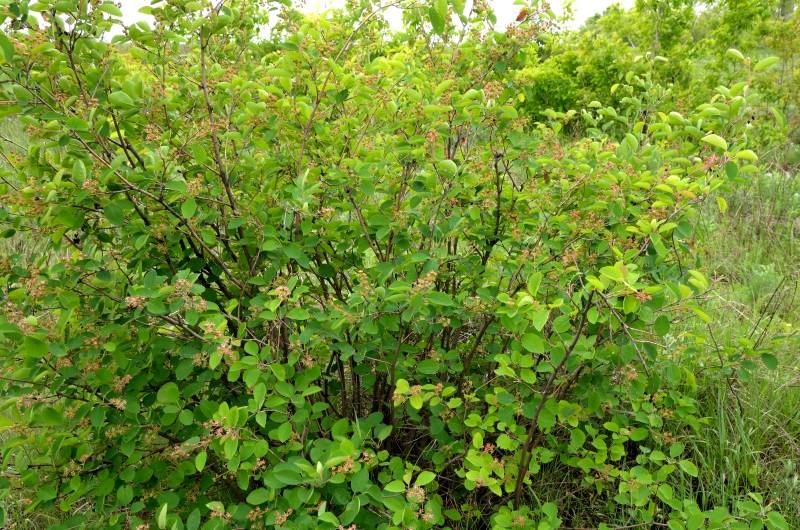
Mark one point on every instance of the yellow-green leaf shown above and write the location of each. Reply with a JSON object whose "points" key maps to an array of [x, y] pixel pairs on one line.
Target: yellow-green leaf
{"points": [[716, 141], [747, 154], [200, 460], [426, 477], [766, 63], [162, 517], [688, 467]]}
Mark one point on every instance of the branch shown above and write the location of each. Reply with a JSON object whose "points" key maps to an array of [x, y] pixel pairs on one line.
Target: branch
{"points": [[223, 173], [626, 330], [546, 392]]}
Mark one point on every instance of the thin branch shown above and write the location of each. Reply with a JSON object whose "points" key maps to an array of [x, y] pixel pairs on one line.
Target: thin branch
{"points": [[546, 391]]}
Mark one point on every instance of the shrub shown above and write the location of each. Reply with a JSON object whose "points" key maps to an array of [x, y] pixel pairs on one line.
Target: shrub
{"points": [[327, 279]]}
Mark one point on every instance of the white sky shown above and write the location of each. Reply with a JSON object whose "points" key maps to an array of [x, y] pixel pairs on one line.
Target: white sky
{"points": [[506, 10]]}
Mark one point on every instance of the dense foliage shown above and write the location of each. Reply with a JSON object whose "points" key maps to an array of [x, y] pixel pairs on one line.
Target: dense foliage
{"points": [[302, 272]]}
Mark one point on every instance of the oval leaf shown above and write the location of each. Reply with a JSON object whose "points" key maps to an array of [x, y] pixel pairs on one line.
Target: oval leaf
{"points": [[716, 141]]}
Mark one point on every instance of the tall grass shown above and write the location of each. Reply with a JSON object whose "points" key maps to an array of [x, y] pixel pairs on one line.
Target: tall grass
{"points": [[13, 142], [751, 440]]}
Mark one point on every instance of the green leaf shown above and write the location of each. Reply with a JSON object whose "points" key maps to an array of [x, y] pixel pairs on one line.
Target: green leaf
{"points": [[402, 386], [547, 417], [447, 167], [283, 432], [424, 478], [437, 15], [230, 447], [770, 361], [259, 394], [298, 313], [661, 326], [539, 318], [121, 99], [612, 273], [776, 521], [716, 141], [186, 417], [441, 87], [382, 432], [296, 253], [6, 48], [534, 281], [34, 347], [259, 496], [200, 461], [168, 394], [747, 154], [630, 304], [665, 492], [702, 314], [731, 169], [115, 213], [688, 467], [395, 486], [189, 207], [676, 449], [79, 169], [162, 517], [328, 517], [193, 521], [766, 63], [50, 416], [736, 54], [270, 244], [428, 366], [442, 299], [576, 439], [533, 342], [124, 495], [110, 8], [157, 307], [638, 434], [698, 279], [76, 124]]}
